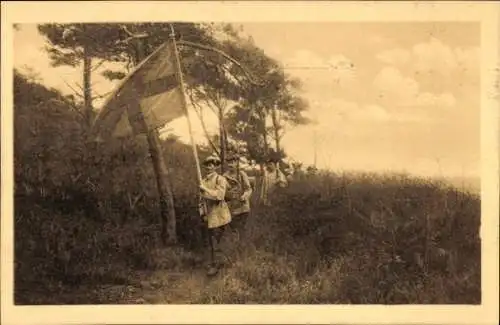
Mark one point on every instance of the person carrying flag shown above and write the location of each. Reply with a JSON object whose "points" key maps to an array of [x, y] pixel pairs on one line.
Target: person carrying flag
{"points": [[213, 207]]}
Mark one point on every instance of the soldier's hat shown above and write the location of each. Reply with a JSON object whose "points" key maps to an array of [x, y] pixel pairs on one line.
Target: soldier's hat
{"points": [[272, 160], [212, 159], [233, 156]]}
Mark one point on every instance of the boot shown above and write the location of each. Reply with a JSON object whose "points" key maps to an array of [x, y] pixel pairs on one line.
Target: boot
{"points": [[212, 270]]}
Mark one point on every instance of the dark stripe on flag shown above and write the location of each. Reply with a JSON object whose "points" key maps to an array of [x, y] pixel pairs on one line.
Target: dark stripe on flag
{"points": [[158, 86]]}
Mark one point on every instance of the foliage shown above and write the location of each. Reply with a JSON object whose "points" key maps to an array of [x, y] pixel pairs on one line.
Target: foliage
{"points": [[67, 42], [213, 81], [279, 99], [76, 202], [75, 44]]}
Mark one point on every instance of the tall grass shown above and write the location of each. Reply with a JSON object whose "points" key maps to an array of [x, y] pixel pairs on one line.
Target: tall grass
{"points": [[349, 239]]}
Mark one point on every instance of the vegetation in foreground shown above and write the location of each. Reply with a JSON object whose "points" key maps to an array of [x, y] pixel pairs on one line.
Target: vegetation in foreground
{"points": [[374, 240], [87, 229]]}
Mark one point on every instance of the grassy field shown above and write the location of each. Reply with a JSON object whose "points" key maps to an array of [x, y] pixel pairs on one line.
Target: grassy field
{"points": [[327, 239]]}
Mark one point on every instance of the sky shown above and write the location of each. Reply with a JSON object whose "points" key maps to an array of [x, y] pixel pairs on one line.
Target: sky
{"points": [[386, 96]]}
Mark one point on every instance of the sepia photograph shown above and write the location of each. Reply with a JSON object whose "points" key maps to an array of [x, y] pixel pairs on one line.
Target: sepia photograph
{"points": [[237, 161]]}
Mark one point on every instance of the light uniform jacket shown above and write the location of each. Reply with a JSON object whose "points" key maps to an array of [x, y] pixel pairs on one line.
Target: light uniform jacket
{"points": [[270, 181], [217, 213], [239, 185]]}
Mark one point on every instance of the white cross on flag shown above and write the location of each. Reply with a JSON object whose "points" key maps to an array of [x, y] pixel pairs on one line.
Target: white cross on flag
{"points": [[146, 99]]}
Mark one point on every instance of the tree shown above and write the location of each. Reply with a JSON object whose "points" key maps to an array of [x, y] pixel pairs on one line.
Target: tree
{"points": [[157, 34], [225, 88], [246, 127], [279, 101], [213, 83], [287, 110], [80, 44]]}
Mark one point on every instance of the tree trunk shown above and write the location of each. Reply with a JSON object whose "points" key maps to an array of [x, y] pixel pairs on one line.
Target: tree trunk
{"points": [[226, 140], [276, 128], [266, 141], [260, 184], [222, 140], [167, 211], [87, 88]]}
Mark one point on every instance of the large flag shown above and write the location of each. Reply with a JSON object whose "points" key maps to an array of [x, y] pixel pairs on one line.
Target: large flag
{"points": [[146, 99]]}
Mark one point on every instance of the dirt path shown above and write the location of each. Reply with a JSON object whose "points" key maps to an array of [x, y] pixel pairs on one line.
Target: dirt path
{"points": [[146, 287], [182, 285], [178, 276]]}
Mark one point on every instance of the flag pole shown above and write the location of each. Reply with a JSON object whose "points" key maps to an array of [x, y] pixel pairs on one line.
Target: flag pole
{"points": [[193, 144], [184, 102]]}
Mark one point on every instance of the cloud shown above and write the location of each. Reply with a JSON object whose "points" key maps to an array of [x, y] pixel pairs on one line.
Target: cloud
{"points": [[352, 111], [433, 56], [402, 91], [394, 56], [441, 100], [375, 112], [378, 113], [391, 84], [335, 114], [325, 113], [468, 60], [343, 70]]}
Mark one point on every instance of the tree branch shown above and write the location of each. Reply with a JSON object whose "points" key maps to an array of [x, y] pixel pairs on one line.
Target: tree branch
{"points": [[131, 36], [101, 96], [215, 98], [98, 65], [165, 130], [79, 86], [74, 108], [207, 100], [238, 80], [125, 29], [198, 110], [73, 89], [222, 103], [208, 48]]}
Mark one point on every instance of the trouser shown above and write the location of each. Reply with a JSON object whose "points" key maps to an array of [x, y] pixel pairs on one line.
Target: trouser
{"points": [[238, 223], [213, 238], [216, 234]]}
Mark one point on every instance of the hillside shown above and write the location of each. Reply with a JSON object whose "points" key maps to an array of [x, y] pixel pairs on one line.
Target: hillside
{"points": [[87, 229]]}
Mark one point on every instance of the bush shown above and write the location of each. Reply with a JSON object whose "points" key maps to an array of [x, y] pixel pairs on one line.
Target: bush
{"points": [[86, 211], [398, 235]]}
